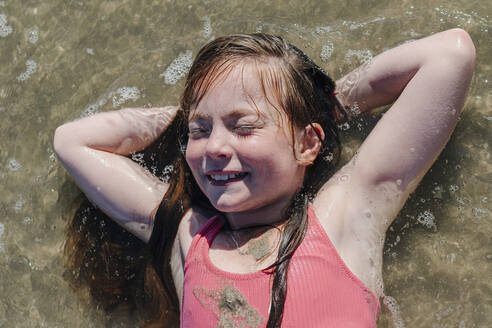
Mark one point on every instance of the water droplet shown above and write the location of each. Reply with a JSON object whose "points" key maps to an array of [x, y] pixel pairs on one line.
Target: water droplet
{"points": [[329, 157], [13, 165], [344, 177], [33, 35], [2, 230], [427, 219], [479, 212], [18, 204], [207, 28]]}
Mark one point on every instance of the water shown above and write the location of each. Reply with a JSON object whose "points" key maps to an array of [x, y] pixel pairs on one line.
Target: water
{"points": [[61, 60]]}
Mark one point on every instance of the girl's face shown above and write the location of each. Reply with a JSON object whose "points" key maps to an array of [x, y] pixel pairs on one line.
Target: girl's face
{"points": [[240, 149]]}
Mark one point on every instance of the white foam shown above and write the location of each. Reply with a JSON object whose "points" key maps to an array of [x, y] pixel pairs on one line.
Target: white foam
{"points": [[33, 36], [4, 28], [118, 97], [478, 212], [178, 68], [345, 126], [364, 56], [379, 286], [394, 308], [90, 51], [355, 109], [93, 108], [31, 68], [427, 219], [207, 27], [453, 188], [329, 157], [323, 29], [357, 25], [462, 17], [19, 204], [125, 93], [168, 169], [2, 230], [326, 51], [13, 165]]}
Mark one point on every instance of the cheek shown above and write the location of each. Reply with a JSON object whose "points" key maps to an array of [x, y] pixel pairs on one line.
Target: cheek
{"points": [[192, 155], [274, 157]]}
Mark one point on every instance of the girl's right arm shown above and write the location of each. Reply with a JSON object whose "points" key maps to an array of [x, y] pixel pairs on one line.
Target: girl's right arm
{"points": [[94, 150]]}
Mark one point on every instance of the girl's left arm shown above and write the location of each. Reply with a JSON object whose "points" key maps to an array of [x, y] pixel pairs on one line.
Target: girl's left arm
{"points": [[427, 80]]}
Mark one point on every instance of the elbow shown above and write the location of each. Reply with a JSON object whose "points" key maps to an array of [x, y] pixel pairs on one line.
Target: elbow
{"points": [[62, 140], [458, 47]]}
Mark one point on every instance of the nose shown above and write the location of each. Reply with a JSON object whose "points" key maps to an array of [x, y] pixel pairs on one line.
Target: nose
{"points": [[218, 146]]}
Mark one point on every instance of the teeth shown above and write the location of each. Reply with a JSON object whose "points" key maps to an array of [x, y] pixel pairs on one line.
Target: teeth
{"points": [[224, 177]]}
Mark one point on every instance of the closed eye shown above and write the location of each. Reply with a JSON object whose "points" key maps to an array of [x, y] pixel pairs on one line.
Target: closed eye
{"points": [[195, 133], [244, 130]]}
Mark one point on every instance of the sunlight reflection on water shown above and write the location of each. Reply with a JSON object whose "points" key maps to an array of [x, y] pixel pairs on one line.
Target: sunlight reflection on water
{"points": [[63, 60]]}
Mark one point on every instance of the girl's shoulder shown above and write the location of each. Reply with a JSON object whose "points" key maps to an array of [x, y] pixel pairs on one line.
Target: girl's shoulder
{"points": [[191, 223], [355, 216]]}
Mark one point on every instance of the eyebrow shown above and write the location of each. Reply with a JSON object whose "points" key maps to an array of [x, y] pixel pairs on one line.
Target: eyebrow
{"points": [[198, 117], [237, 113]]}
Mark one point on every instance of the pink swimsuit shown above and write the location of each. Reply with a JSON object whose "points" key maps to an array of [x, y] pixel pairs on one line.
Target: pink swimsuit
{"points": [[321, 290]]}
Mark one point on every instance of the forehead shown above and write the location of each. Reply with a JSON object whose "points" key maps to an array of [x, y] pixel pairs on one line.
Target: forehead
{"points": [[240, 86]]}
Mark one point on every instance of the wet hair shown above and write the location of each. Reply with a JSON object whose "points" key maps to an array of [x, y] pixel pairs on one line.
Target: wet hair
{"points": [[117, 270], [294, 85]]}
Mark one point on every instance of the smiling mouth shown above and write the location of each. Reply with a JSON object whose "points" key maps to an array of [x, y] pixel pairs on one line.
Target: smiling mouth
{"points": [[223, 179]]}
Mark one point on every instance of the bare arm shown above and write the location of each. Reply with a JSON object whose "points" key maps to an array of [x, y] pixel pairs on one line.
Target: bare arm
{"points": [[93, 151], [427, 80]]}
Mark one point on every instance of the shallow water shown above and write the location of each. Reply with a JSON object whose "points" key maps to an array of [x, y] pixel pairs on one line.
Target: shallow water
{"points": [[60, 60]]}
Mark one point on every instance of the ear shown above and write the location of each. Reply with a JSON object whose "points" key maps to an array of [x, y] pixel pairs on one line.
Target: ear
{"points": [[308, 144]]}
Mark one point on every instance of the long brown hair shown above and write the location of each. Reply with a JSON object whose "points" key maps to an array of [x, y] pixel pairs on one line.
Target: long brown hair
{"points": [[119, 271], [300, 89]]}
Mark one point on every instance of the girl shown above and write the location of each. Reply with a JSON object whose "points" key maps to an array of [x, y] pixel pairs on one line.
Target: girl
{"points": [[251, 225]]}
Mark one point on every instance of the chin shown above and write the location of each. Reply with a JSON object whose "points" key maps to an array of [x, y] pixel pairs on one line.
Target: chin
{"points": [[226, 207], [229, 205]]}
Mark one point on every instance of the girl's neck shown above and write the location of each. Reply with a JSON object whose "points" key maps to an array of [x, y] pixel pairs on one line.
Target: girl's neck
{"points": [[270, 215]]}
